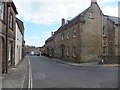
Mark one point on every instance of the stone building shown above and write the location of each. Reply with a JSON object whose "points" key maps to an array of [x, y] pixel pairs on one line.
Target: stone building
{"points": [[90, 36], [49, 47], [7, 34], [29, 49]]}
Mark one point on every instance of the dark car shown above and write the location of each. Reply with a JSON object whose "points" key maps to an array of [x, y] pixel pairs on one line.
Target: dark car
{"points": [[37, 54]]}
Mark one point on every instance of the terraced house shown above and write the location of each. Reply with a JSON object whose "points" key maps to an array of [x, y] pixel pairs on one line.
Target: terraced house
{"points": [[90, 36], [8, 14], [19, 34]]}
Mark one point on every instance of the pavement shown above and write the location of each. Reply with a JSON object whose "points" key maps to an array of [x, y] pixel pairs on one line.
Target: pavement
{"points": [[87, 64], [17, 77]]}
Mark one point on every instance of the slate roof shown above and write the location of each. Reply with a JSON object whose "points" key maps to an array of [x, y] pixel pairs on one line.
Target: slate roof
{"points": [[20, 25], [116, 20], [49, 39]]}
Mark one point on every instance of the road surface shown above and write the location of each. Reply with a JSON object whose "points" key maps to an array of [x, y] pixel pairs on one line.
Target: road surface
{"points": [[46, 73]]}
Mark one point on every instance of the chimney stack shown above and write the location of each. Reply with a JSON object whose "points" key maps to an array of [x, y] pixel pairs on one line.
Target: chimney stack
{"points": [[93, 1], [63, 21], [52, 33]]}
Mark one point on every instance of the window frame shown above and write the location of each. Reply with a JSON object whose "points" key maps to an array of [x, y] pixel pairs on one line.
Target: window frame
{"points": [[104, 31], [2, 5], [91, 14], [11, 20], [74, 32], [74, 52], [62, 36], [68, 51], [104, 51], [68, 35]]}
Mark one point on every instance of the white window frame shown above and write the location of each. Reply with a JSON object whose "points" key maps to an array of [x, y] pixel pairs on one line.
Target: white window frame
{"points": [[1, 10], [11, 20]]}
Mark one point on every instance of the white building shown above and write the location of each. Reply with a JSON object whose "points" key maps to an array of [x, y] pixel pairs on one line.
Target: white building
{"points": [[18, 41]]}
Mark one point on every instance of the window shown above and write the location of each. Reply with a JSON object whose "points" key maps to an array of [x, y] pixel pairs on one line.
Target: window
{"points": [[11, 20], [104, 31], [68, 35], [104, 50], [1, 10], [68, 51], [62, 36], [74, 52], [91, 15], [74, 32]]}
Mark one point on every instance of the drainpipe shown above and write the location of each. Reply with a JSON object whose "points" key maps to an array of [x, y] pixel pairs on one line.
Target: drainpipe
{"points": [[7, 38]]}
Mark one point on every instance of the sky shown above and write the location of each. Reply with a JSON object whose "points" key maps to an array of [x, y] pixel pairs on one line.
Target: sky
{"points": [[41, 17]]}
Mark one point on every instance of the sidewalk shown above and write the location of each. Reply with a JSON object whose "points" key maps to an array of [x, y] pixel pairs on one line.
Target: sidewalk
{"points": [[87, 64], [16, 77]]}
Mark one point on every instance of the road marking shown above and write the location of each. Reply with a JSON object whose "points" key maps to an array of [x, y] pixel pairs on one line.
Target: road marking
{"points": [[30, 76], [39, 76]]}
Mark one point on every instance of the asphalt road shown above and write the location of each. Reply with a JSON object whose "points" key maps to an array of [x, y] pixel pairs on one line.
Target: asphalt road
{"points": [[47, 73]]}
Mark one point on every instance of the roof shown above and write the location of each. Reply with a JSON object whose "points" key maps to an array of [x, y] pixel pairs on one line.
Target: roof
{"points": [[20, 25], [116, 20], [49, 39], [13, 6], [77, 17]]}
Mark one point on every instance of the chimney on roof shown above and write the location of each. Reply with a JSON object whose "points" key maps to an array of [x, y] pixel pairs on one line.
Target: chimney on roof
{"points": [[52, 33], [93, 1], [63, 21]]}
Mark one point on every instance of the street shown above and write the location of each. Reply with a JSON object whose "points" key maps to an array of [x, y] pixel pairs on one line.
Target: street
{"points": [[47, 73]]}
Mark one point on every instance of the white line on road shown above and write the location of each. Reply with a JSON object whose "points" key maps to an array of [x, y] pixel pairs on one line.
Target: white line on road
{"points": [[30, 76]]}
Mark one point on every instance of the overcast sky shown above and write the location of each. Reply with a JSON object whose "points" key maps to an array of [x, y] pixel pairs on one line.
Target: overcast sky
{"points": [[41, 17]]}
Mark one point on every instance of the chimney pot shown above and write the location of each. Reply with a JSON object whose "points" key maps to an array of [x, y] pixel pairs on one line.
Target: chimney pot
{"points": [[93, 1], [63, 21]]}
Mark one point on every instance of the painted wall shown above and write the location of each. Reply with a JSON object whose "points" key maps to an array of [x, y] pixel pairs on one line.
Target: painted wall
{"points": [[18, 45]]}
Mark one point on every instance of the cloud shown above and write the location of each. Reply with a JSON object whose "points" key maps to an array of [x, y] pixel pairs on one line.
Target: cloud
{"points": [[37, 41], [51, 11], [112, 11]]}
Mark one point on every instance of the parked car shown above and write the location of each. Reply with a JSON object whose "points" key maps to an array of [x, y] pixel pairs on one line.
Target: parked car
{"points": [[37, 54]]}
